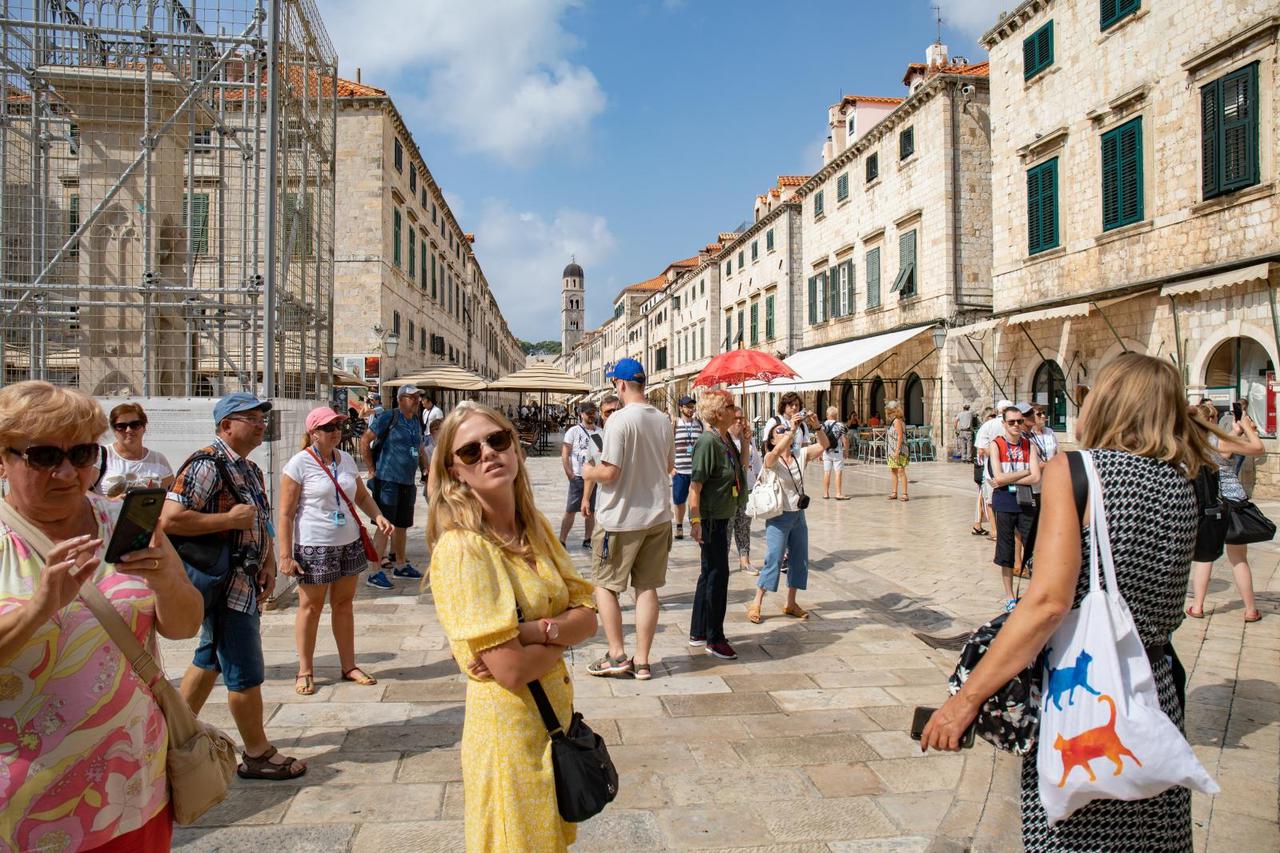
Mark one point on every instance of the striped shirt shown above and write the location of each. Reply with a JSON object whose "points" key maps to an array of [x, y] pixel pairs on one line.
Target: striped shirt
{"points": [[687, 432]]}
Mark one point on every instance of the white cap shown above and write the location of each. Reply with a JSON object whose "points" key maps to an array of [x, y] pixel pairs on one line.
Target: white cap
{"points": [[1004, 404]]}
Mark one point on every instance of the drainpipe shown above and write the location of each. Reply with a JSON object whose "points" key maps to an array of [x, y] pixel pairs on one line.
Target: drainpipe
{"points": [[956, 275]]}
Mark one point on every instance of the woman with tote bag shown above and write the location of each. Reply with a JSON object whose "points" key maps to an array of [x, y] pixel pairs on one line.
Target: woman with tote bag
{"points": [[1145, 452]]}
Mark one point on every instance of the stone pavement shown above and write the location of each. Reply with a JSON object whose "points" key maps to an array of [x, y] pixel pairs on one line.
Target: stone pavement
{"points": [[800, 745]]}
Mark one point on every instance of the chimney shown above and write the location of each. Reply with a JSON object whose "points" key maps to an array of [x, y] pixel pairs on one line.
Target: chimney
{"points": [[835, 118], [936, 55], [357, 75], [827, 154]]}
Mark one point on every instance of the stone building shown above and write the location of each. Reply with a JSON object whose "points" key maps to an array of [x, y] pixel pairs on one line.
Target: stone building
{"points": [[573, 297], [404, 264], [1137, 145], [896, 243], [695, 301]]}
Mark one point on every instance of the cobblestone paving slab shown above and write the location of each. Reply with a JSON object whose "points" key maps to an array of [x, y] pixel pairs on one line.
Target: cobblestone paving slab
{"points": [[799, 745]]}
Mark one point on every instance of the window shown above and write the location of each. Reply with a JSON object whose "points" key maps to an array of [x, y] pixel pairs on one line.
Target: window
{"points": [[395, 322], [768, 241], [906, 143], [1037, 51], [433, 277], [297, 217], [413, 266], [433, 209], [905, 284], [728, 267], [818, 298], [873, 277], [755, 250], [422, 338], [1111, 12], [413, 186], [73, 222], [422, 260], [1042, 207], [424, 193], [675, 302], [201, 138], [817, 204], [742, 326], [395, 235], [873, 167], [755, 323], [842, 302], [702, 341], [412, 332], [1229, 132], [742, 259], [842, 187], [1122, 175], [728, 329], [399, 156], [768, 317], [813, 300]]}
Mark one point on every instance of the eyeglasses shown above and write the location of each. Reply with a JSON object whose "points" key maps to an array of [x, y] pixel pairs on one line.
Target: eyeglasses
{"points": [[137, 426], [257, 422], [469, 453], [48, 457], [332, 426]]}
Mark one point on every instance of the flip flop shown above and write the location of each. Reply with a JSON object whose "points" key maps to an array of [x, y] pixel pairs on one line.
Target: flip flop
{"points": [[1195, 613], [1256, 617]]}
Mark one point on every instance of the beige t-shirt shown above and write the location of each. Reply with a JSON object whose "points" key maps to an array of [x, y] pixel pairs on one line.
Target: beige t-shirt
{"points": [[639, 441]]}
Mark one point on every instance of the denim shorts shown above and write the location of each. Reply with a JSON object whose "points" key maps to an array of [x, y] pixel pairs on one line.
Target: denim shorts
{"points": [[238, 655], [680, 488]]}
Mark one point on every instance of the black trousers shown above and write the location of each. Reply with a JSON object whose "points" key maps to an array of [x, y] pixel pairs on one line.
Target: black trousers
{"points": [[711, 596]]}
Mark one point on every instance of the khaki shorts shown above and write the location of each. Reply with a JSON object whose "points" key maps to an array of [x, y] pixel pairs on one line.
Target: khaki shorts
{"points": [[635, 558]]}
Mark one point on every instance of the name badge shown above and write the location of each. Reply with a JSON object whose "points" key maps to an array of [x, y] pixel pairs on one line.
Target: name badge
{"points": [[338, 518]]}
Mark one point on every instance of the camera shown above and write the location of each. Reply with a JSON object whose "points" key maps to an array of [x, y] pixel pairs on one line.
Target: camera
{"points": [[803, 503], [248, 560]]}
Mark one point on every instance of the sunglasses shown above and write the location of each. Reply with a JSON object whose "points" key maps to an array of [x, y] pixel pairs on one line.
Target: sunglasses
{"points": [[469, 453], [780, 430], [607, 412], [48, 457], [1013, 423], [332, 426], [130, 425]]}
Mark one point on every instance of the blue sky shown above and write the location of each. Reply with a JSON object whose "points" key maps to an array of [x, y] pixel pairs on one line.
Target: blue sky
{"points": [[627, 132]]}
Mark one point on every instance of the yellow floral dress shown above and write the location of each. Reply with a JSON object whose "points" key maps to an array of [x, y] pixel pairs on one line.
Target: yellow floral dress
{"points": [[507, 780]]}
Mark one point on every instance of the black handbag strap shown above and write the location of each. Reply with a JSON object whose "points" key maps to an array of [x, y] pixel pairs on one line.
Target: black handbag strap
{"points": [[1079, 482], [548, 714]]}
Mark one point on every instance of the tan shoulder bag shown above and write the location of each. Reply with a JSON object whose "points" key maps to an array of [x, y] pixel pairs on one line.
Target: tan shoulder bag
{"points": [[201, 759]]}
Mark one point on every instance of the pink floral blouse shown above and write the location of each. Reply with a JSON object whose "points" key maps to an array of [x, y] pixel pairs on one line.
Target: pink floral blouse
{"points": [[82, 743]]}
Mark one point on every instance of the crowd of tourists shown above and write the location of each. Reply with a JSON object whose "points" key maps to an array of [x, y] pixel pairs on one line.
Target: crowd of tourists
{"points": [[504, 586]]}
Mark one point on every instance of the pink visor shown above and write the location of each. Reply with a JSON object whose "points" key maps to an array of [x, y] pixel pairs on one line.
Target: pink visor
{"points": [[322, 415]]}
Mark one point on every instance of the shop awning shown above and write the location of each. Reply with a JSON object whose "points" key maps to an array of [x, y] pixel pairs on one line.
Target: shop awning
{"points": [[1244, 275], [1076, 309], [819, 366]]}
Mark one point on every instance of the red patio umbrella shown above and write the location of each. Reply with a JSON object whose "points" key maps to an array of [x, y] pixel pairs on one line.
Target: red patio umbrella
{"points": [[742, 365]]}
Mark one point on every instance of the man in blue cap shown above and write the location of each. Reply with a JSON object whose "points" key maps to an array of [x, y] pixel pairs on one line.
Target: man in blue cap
{"points": [[392, 450], [633, 519], [220, 495]]}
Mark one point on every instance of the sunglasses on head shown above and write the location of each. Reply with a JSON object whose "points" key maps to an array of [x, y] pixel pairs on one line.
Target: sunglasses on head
{"points": [[469, 453], [48, 457], [128, 425]]}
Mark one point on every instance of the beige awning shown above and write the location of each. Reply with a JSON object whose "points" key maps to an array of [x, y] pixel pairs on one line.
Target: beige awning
{"points": [[1244, 275], [540, 377], [444, 376], [974, 328], [347, 379], [1076, 309]]}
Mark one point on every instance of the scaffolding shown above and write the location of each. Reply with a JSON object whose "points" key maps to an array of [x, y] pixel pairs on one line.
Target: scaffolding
{"points": [[167, 210]]}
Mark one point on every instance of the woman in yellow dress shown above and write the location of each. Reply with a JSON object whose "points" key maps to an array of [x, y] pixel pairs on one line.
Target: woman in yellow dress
{"points": [[495, 556]]}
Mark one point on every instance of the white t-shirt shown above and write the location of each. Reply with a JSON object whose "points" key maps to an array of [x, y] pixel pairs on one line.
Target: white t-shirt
{"points": [[431, 414], [988, 431], [580, 445], [964, 420], [125, 474], [319, 500], [1046, 444], [638, 440]]}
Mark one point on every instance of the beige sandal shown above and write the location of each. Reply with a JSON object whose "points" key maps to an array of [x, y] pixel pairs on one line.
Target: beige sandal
{"points": [[304, 684], [753, 614], [795, 611]]}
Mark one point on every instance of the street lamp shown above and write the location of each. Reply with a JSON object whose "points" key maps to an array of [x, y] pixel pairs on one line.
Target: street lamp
{"points": [[390, 344], [939, 336]]}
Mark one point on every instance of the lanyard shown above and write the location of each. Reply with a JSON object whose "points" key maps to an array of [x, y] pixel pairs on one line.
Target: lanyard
{"points": [[731, 453], [800, 485], [332, 476]]}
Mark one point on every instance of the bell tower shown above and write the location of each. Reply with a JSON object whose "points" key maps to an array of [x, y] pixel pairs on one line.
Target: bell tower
{"points": [[572, 313]]}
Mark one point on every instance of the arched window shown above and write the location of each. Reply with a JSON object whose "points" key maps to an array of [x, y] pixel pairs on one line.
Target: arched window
{"points": [[1049, 389], [1239, 366], [913, 401], [877, 399]]}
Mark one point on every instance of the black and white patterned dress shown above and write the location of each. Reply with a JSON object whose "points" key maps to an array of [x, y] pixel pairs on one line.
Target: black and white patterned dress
{"points": [[1151, 513]]}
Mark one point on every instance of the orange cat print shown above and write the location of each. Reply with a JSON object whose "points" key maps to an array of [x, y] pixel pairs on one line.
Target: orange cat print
{"points": [[1093, 743]]}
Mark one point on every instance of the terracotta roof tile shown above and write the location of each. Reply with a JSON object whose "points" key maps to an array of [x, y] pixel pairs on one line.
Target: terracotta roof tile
{"points": [[872, 99], [973, 69], [727, 236], [792, 180]]}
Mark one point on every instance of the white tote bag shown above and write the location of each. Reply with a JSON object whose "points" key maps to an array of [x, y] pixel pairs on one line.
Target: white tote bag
{"points": [[1103, 735], [765, 500]]}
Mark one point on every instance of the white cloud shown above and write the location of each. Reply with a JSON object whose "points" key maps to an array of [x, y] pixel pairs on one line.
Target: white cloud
{"points": [[523, 253], [973, 17], [494, 74]]}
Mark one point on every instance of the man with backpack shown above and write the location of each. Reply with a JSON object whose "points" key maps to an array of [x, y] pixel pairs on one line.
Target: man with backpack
{"points": [[220, 521], [833, 456], [392, 449]]}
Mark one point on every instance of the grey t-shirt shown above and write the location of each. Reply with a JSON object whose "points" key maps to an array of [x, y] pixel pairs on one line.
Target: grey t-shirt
{"points": [[639, 441]]}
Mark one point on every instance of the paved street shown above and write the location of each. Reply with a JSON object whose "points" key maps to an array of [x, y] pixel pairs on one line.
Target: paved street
{"points": [[800, 745]]}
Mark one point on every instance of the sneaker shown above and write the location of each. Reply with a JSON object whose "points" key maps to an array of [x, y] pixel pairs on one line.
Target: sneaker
{"points": [[586, 544], [379, 580], [408, 571], [679, 531], [722, 650], [697, 642], [610, 666], [1010, 604]]}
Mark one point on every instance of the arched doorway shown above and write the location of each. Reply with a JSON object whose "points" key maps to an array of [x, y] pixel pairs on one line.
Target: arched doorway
{"points": [[1240, 366], [846, 401], [913, 401], [1049, 389], [877, 399], [820, 405]]}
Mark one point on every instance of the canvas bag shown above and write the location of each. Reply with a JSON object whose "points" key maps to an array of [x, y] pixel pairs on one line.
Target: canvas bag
{"points": [[201, 759], [1101, 712], [765, 500]]}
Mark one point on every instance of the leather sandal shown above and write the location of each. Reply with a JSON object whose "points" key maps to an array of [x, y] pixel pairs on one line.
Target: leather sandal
{"points": [[795, 611], [304, 684], [362, 678], [1255, 616], [262, 767], [1195, 612], [753, 614]]}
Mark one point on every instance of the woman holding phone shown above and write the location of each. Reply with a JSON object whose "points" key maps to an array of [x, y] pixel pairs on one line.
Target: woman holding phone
{"points": [[320, 543]]}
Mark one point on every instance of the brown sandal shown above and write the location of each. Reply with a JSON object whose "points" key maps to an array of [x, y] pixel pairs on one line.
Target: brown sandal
{"points": [[753, 614], [364, 678], [308, 685], [795, 611], [262, 767]]}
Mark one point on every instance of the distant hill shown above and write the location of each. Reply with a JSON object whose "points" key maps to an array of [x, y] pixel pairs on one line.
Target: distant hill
{"points": [[540, 347]]}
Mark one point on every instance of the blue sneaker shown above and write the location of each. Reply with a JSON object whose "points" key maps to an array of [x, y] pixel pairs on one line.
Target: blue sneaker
{"points": [[407, 571], [378, 580], [1010, 604]]}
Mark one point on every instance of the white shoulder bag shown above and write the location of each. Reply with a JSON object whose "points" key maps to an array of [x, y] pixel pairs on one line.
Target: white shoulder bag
{"points": [[765, 500]]}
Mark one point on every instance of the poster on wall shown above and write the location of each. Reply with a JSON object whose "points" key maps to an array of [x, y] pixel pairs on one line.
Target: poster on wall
{"points": [[354, 364], [371, 364]]}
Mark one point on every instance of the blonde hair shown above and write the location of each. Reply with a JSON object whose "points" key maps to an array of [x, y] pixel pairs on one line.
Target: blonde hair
{"points": [[37, 410], [832, 413], [712, 404], [1138, 405], [454, 507], [892, 412]]}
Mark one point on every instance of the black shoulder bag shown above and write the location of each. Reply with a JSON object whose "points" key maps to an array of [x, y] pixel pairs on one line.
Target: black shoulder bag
{"points": [[207, 557], [586, 780]]}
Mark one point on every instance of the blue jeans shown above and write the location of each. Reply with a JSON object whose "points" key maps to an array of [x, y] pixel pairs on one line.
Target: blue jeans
{"points": [[785, 533]]}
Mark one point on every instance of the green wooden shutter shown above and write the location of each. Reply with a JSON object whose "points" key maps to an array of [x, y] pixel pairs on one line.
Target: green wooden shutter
{"points": [[1042, 207], [755, 323], [833, 291], [433, 276], [1131, 172], [198, 205], [413, 259], [848, 302], [1110, 180], [395, 234], [813, 300], [768, 240], [422, 260], [1210, 113], [905, 283], [1035, 238], [768, 318], [1238, 158], [1037, 51], [873, 277]]}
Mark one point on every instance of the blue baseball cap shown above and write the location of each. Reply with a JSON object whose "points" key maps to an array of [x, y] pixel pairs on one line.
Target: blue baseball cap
{"points": [[628, 370], [236, 402]]}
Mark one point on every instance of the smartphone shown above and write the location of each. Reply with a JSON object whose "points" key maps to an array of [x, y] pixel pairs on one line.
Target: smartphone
{"points": [[1237, 411], [139, 515], [921, 718]]}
